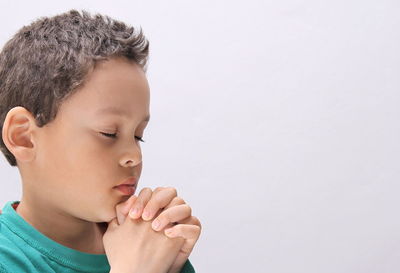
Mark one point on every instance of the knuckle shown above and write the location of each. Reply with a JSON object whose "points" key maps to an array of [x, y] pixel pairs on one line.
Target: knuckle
{"points": [[173, 190], [144, 192], [146, 189], [178, 200], [196, 221], [158, 189], [188, 208], [197, 228]]}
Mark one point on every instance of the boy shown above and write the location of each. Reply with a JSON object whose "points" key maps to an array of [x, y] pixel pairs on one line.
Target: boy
{"points": [[74, 104]]}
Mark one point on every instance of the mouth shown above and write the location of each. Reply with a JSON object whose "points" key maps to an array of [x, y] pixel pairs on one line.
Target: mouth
{"points": [[126, 189], [128, 186]]}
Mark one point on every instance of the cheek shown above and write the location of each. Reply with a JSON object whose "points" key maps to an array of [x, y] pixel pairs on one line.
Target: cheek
{"points": [[86, 155], [71, 163], [51, 157]]}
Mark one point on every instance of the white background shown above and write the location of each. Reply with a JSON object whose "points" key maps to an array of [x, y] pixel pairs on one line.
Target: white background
{"points": [[277, 122]]}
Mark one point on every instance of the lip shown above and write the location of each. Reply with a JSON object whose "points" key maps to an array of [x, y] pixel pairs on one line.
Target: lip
{"points": [[130, 181], [126, 189], [128, 186]]}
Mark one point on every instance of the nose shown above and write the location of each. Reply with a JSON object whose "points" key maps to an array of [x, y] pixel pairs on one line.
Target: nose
{"points": [[132, 156]]}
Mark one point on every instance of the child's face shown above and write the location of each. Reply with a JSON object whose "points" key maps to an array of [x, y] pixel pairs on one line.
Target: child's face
{"points": [[76, 166]]}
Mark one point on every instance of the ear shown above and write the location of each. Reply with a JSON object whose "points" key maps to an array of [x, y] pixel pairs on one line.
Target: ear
{"points": [[18, 127]]}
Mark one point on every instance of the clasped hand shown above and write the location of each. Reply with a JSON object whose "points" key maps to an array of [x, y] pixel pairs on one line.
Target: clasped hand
{"points": [[171, 214]]}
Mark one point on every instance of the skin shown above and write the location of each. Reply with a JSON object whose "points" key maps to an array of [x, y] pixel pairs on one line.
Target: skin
{"points": [[69, 168], [173, 214]]}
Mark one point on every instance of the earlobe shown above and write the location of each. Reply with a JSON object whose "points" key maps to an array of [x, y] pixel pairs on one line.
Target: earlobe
{"points": [[17, 133]]}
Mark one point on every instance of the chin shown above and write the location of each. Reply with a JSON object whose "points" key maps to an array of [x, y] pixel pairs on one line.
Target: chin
{"points": [[107, 218], [103, 216]]}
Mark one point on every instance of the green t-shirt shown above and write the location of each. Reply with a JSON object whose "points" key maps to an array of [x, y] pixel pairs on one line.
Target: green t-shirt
{"points": [[24, 249]]}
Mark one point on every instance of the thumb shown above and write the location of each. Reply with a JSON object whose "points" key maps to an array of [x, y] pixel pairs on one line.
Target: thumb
{"points": [[112, 224]]}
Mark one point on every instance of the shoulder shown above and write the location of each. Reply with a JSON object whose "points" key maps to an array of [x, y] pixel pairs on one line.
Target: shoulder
{"points": [[12, 258], [3, 269]]}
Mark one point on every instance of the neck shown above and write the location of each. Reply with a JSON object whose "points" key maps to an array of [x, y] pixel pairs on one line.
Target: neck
{"points": [[62, 227]]}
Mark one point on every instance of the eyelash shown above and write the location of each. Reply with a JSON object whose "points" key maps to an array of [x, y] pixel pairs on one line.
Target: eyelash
{"points": [[115, 135]]}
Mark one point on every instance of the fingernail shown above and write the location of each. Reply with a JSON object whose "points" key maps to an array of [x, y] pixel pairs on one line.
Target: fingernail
{"points": [[156, 224], [169, 232], [146, 215], [134, 212]]}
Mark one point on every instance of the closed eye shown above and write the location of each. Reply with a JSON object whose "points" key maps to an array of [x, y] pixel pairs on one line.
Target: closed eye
{"points": [[115, 136]]}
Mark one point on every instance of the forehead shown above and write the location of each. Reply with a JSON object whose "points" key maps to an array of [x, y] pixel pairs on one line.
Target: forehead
{"points": [[113, 87], [112, 110]]}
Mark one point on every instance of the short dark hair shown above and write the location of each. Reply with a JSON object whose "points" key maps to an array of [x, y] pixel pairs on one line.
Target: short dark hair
{"points": [[44, 62]]}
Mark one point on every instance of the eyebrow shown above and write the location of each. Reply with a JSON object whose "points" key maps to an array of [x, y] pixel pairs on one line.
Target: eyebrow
{"points": [[117, 111]]}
